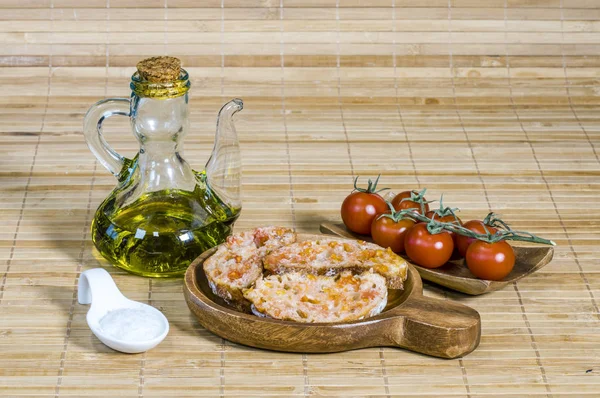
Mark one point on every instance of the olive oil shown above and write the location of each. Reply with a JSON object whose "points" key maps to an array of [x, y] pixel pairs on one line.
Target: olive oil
{"points": [[162, 232]]}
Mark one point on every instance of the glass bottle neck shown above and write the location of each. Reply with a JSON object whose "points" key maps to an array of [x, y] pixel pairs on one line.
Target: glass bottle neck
{"points": [[160, 125], [159, 121]]}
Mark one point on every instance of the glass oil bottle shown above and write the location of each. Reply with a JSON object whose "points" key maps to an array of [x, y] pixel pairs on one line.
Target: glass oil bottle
{"points": [[162, 214]]}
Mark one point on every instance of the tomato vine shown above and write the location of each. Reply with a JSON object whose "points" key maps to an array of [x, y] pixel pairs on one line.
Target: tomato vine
{"points": [[504, 231]]}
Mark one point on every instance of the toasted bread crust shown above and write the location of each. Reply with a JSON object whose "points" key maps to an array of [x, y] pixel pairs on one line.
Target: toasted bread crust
{"points": [[395, 282], [232, 296]]}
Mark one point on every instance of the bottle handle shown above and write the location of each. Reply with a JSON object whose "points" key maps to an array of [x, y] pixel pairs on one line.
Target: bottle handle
{"points": [[92, 130]]}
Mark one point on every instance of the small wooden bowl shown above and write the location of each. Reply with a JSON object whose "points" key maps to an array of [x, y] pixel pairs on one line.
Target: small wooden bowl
{"points": [[455, 275], [430, 326]]}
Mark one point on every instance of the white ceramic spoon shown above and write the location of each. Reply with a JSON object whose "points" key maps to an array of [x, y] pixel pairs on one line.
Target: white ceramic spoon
{"points": [[97, 287]]}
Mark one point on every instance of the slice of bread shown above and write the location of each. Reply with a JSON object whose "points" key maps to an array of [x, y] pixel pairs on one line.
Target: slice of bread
{"points": [[237, 264], [230, 270], [330, 256], [302, 297]]}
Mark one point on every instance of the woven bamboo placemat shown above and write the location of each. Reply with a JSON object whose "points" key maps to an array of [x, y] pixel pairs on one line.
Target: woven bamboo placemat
{"points": [[493, 102]]}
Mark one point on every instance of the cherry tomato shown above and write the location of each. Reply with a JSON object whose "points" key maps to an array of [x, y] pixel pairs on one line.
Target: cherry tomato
{"points": [[407, 204], [426, 249], [359, 209], [463, 242], [388, 233], [492, 261], [449, 218]]}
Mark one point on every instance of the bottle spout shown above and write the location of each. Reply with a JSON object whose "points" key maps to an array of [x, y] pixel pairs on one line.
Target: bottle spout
{"points": [[223, 169], [232, 107]]}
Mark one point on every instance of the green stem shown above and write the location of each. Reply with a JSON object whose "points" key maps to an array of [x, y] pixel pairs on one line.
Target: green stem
{"points": [[418, 197], [446, 211], [494, 221], [393, 214], [371, 186], [435, 227]]}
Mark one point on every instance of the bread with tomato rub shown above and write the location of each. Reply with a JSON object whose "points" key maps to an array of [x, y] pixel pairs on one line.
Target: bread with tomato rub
{"points": [[301, 297], [237, 263], [330, 256]]}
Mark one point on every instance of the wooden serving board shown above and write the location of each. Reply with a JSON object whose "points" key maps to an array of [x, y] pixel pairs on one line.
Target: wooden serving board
{"points": [[430, 326], [455, 275]]}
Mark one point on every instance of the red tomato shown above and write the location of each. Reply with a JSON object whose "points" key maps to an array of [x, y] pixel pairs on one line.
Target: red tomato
{"points": [[407, 204], [449, 218], [389, 233], [359, 209], [426, 249], [492, 261], [463, 242]]}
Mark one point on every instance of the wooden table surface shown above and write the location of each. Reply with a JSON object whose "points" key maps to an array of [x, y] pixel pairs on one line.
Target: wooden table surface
{"points": [[495, 103]]}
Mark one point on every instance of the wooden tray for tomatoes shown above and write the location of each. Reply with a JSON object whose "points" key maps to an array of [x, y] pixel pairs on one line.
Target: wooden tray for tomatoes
{"points": [[440, 328], [455, 275]]}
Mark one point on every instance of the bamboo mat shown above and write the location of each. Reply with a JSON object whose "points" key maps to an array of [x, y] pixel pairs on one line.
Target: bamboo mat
{"points": [[495, 103]]}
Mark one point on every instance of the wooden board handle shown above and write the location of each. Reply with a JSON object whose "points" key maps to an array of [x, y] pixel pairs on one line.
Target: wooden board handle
{"points": [[436, 327]]}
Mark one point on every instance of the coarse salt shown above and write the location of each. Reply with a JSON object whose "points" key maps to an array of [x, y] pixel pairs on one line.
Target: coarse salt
{"points": [[129, 324]]}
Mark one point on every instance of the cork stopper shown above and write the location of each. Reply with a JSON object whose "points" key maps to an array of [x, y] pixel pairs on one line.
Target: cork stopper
{"points": [[159, 69]]}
